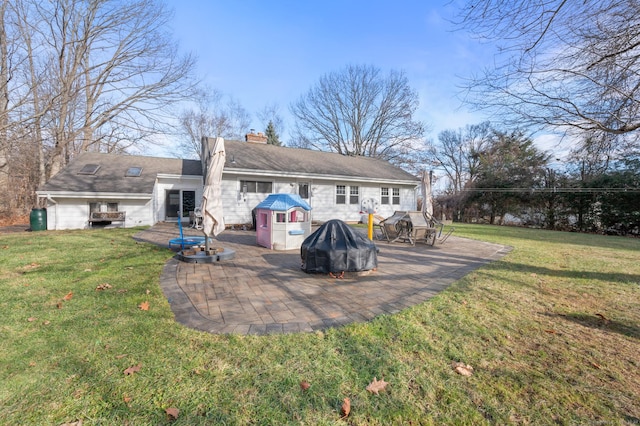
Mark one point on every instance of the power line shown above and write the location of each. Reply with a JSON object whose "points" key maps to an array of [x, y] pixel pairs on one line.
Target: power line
{"points": [[554, 190]]}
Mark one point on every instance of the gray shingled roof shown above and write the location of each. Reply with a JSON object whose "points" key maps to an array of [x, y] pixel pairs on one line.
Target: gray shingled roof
{"points": [[110, 177], [240, 156], [255, 156]]}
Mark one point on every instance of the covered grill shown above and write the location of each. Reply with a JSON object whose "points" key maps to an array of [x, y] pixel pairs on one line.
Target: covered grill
{"points": [[335, 247]]}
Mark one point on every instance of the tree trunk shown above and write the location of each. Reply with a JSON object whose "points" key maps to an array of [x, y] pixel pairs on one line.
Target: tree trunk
{"points": [[4, 111]]}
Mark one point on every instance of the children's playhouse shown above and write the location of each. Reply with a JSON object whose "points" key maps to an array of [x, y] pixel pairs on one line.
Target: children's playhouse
{"points": [[283, 221]]}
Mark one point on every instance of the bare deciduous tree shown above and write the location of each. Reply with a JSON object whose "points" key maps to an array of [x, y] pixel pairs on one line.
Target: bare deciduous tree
{"points": [[4, 105], [457, 153], [270, 114], [99, 74], [213, 115], [567, 65], [80, 75], [360, 111]]}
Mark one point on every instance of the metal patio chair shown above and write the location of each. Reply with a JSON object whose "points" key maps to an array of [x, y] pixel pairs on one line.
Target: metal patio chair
{"points": [[395, 227]]}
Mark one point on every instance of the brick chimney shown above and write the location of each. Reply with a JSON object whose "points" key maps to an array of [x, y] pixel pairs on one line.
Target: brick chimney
{"points": [[256, 137]]}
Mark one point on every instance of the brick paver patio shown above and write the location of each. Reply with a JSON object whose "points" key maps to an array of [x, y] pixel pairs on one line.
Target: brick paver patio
{"points": [[262, 291]]}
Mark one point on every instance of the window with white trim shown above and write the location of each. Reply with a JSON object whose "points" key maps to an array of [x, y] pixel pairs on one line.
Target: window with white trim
{"points": [[389, 197], [384, 195], [396, 195], [341, 194], [252, 186], [354, 195]]}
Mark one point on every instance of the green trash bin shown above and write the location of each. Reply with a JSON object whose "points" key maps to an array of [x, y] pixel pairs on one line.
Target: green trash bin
{"points": [[38, 219]]}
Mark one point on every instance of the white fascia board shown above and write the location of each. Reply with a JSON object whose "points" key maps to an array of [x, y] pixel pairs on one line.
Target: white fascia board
{"points": [[174, 176], [313, 176], [92, 195]]}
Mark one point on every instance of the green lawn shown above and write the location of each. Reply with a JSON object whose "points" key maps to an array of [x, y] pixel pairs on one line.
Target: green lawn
{"points": [[552, 332]]}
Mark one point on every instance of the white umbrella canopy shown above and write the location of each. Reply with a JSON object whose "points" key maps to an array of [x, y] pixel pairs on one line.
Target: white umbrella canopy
{"points": [[212, 220], [427, 199]]}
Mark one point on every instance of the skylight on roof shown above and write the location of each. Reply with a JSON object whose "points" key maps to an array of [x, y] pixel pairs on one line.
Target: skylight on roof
{"points": [[89, 169], [133, 172]]}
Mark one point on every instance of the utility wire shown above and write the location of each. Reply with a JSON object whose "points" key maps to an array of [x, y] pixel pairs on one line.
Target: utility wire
{"points": [[554, 190]]}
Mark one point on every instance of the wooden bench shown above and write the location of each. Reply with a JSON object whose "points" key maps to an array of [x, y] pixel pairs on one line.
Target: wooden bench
{"points": [[101, 217]]}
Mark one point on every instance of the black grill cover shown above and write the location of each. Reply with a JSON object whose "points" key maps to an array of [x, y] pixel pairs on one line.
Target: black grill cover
{"points": [[335, 247]]}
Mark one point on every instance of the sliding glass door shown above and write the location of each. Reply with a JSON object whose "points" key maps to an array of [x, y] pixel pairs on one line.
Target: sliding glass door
{"points": [[178, 200]]}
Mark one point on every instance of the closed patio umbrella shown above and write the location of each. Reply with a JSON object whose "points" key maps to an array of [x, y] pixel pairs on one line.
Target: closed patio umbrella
{"points": [[427, 199], [212, 220]]}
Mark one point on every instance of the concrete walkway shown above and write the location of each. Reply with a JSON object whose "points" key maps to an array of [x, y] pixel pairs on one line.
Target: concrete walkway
{"points": [[262, 291]]}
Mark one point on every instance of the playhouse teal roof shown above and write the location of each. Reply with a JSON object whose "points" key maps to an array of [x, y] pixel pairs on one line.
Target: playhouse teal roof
{"points": [[283, 202]]}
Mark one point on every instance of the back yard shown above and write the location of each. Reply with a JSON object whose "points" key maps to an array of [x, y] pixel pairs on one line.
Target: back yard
{"points": [[550, 334]]}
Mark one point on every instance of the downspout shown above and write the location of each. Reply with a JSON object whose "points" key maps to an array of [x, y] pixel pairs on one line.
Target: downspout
{"points": [[55, 211]]}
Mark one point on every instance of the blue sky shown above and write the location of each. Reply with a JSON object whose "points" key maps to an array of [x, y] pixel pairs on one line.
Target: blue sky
{"points": [[265, 52]]}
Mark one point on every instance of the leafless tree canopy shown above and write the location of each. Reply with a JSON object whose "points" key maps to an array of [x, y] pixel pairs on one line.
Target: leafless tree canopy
{"points": [[561, 64], [213, 115], [85, 75], [360, 111], [270, 113], [457, 153]]}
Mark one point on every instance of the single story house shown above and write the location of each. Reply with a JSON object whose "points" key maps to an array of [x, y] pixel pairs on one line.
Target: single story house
{"points": [[137, 190]]}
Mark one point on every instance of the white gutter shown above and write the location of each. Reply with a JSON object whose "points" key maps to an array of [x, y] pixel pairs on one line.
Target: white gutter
{"points": [[315, 176], [111, 195]]}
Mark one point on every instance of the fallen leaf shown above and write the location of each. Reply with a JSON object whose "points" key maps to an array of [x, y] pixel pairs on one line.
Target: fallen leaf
{"points": [[68, 296], [78, 423], [133, 369], [122, 290], [376, 386], [87, 270], [59, 305], [346, 407], [462, 368], [120, 356], [550, 331], [32, 364], [304, 385], [126, 399], [46, 322], [596, 366], [148, 291], [31, 319], [103, 286], [173, 413], [144, 306]]}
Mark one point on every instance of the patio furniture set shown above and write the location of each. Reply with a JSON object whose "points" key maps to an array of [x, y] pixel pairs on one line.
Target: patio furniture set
{"points": [[413, 227]]}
